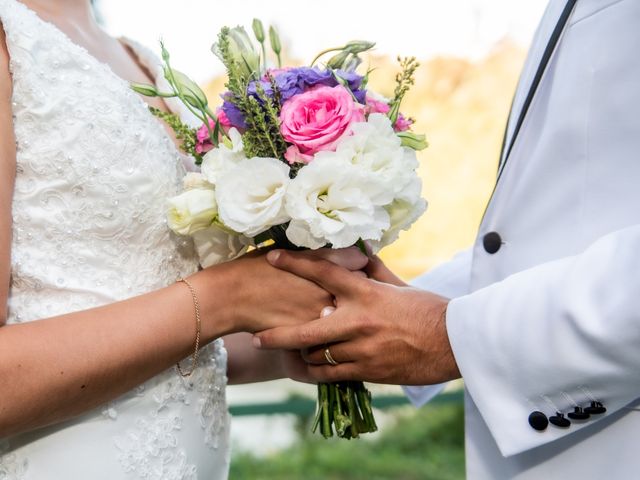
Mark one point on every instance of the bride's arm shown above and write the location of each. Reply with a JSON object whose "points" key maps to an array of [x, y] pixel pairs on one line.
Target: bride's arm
{"points": [[57, 368], [7, 174]]}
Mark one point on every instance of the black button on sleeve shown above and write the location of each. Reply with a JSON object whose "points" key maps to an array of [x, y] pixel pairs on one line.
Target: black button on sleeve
{"points": [[559, 420], [578, 414], [596, 408], [492, 242], [538, 421]]}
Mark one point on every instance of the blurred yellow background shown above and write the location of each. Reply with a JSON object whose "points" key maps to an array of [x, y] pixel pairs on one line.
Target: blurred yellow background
{"points": [[461, 106]]}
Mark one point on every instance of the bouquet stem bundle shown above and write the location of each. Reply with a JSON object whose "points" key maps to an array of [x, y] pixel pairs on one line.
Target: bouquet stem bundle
{"points": [[345, 406]]}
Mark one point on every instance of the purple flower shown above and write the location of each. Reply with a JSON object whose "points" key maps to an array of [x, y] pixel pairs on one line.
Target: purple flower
{"points": [[361, 96], [292, 82], [353, 79], [298, 80], [235, 116]]}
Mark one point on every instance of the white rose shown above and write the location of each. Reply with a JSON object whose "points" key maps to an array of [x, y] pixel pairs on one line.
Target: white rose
{"points": [[214, 245], [223, 158], [251, 195], [375, 147], [333, 201], [192, 210], [403, 212], [195, 180]]}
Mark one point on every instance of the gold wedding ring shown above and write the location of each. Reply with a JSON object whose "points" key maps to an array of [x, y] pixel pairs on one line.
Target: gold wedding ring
{"points": [[327, 355]]}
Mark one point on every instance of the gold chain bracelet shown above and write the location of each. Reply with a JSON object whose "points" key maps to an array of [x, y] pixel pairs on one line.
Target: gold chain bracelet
{"points": [[196, 306]]}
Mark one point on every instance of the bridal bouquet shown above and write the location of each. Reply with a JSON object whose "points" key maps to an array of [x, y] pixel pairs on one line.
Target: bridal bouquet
{"points": [[300, 158]]}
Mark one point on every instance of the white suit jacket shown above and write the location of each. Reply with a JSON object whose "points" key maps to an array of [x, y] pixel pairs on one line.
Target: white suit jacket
{"points": [[551, 320]]}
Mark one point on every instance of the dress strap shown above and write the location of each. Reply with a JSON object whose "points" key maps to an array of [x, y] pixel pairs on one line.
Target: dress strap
{"points": [[22, 30]]}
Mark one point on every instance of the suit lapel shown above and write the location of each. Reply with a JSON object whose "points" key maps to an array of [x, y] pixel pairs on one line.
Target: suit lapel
{"points": [[550, 22]]}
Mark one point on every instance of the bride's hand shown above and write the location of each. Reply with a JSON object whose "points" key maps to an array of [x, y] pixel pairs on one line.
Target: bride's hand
{"points": [[260, 296]]}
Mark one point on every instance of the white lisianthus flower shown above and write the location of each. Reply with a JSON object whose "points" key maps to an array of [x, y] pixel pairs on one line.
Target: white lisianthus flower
{"points": [[195, 180], [375, 147], [333, 201], [403, 212], [251, 195], [223, 158], [215, 245], [192, 210]]}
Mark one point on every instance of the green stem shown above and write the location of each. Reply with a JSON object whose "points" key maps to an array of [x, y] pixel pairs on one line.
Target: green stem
{"points": [[364, 401], [341, 421], [316, 421], [325, 426], [324, 52], [264, 54], [174, 86], [351, 402]]}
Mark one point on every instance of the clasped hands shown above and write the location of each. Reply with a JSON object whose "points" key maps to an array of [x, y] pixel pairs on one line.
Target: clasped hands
{"points": [[380, 330]]}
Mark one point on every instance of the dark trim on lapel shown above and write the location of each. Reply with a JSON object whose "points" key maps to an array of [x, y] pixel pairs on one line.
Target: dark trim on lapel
{"points": [[542, 66]]}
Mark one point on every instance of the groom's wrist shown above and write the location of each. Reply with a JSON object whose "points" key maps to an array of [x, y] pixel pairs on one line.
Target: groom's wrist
{"points": [[439, 351]]}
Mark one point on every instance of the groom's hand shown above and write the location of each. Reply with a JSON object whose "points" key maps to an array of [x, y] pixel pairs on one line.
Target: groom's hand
{"points": [[378, 332]]}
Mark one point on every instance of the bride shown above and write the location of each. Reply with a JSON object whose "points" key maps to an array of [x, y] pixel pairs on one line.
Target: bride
{"points": [[95, 320]]}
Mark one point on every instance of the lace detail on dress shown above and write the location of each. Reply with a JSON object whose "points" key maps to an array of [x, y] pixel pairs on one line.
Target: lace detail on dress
{"points": [[94, 174], [151, 451], [212, 403], [11, 468], [94, 170]]}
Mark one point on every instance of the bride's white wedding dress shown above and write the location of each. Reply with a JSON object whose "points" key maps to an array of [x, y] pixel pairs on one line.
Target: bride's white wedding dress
{"points": [[94, 169]]}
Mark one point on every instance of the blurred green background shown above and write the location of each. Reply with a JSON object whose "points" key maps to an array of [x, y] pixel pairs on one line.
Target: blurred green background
{"points": [[426, 444]]}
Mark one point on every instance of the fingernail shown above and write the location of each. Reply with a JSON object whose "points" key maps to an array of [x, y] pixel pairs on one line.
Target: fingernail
{"points": [[326, 311], [273, 256], [257, 343]]}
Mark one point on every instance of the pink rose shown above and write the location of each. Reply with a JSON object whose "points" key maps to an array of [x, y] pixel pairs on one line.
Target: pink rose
{"points": [[202, 136], [204, 144], [225, 123], [315, 120]]}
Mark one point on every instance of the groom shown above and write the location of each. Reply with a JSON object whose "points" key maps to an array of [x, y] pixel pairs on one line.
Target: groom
{"points": [[542, 316]]}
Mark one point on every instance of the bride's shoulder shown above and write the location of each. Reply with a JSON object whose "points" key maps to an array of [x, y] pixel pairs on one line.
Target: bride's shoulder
{"points": [[12, 10], [22, 27]]}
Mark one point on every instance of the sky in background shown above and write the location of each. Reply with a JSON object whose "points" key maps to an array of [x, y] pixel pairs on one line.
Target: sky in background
{"points": [[421, 28]]}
